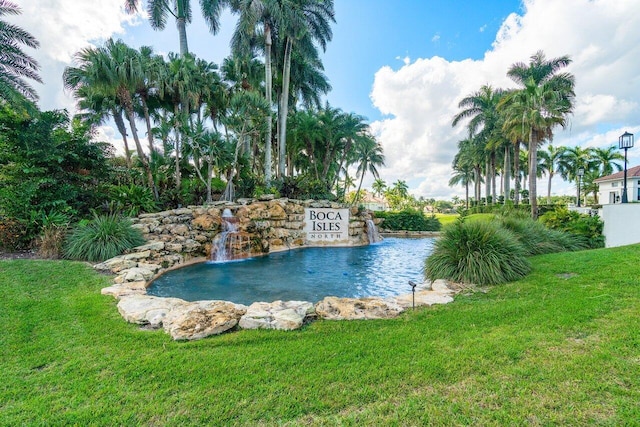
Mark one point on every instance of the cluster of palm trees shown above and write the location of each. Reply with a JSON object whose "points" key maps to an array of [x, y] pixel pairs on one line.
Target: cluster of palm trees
{"points": [[218, 121], [500, 122], [568, 162]]}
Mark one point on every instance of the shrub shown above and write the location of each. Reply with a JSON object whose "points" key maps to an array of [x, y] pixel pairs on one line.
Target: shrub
{"points": [[13, 235], [477, 252], [410, 220], [590, 228], [51, 240], [131, 200], [102, 238]]}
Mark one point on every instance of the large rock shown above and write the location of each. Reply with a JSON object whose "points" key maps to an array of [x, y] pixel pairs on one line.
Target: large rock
{"points": [[147, 309], [287, 315], [333, 308], [135, 274], [200, 319], [116, 265], [125, 289]]}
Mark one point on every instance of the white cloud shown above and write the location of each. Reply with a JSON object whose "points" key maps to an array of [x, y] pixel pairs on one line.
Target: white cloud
{"points": [[601, 37], [63, 27]]}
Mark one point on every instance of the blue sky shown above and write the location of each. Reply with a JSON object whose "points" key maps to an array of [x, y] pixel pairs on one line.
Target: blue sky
{"points": [[405, 65]]}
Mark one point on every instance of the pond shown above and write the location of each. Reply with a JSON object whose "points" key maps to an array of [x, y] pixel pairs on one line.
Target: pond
{"points": [[382, 269]]}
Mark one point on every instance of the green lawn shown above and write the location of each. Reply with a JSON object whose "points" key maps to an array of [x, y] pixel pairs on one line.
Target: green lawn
{"points": [[561, 347], [446, 218]]}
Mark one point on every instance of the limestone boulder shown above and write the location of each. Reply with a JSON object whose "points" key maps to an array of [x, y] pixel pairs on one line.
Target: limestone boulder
{"points": [[135, 274], [333, 308], [201, 319], [147, 309], [283, 315], [115, 265], [125, 289], [151, 246]]}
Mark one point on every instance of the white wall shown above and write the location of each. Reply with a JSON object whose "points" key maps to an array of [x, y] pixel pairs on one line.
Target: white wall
{"points": [[621, 224]]}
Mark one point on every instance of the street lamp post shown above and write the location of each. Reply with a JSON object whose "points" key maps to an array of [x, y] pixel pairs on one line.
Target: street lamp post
{"points": [[580, 174], [625, 142]]}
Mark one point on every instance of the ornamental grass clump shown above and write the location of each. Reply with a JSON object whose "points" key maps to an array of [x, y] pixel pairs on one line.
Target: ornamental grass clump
{"points": [[102, 238], [481, 253], [537, 239]]}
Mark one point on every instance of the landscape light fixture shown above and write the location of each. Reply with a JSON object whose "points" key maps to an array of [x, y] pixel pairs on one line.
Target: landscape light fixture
{"points": [[579, 174], [413, 290], [625, 142]]}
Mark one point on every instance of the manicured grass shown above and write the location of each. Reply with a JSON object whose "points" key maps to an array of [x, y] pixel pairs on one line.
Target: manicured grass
{"points": [[480, 217], [561, 347], [446, 218]]}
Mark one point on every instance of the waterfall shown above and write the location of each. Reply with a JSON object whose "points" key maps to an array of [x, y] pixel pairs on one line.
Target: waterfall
{"points": [[372, 232], [229, 241]]}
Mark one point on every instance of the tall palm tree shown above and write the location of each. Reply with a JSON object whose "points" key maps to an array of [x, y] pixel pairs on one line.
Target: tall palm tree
{"points": [[369, 156], [160, 10], [112, 69], [544, 101], [484, 124], [305, 22], [255, 18], [549, 162], [15, 65]]}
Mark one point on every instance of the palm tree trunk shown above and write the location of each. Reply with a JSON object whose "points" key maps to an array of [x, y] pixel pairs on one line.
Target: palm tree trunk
{"points": [[466, 193], [516, 171], [507, 172], [141, 154], [176, 130], [487, 181], [533, 163], [147, 120], [268, 90], [181, 23], [549, 187], [286, 76], [493, 177], [117, 117]]}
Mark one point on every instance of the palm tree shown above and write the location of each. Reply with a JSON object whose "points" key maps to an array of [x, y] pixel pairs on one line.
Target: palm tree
{"points": [[368, 154], [573, 159], [544, 101], [463, 174], [159, 10], [378, 187], [549, 162], [257, 17], [15, 65], [305, 22], [112, 69], [605, 158], [484, 125]]}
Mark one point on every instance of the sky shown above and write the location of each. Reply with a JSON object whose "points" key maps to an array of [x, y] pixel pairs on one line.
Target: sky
{"points": [[404, 65]]}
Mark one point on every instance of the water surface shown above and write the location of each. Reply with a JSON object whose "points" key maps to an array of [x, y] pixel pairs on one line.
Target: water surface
{"points": [[308, 274]]}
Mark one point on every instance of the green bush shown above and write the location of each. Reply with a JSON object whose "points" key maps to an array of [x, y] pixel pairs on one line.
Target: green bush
{"points": [[410, 220], [131, 200], [589, 227], [479, 252], [102, 238]]}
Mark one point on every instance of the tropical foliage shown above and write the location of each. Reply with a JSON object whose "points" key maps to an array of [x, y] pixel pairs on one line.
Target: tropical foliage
{"points": [[409, 219]]}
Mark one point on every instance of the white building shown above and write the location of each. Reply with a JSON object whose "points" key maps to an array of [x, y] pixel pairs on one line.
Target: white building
{"points": [[610, 187]]}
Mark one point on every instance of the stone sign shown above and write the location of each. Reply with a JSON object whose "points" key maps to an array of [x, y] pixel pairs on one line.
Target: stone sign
{"points": [[326, 225]]}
